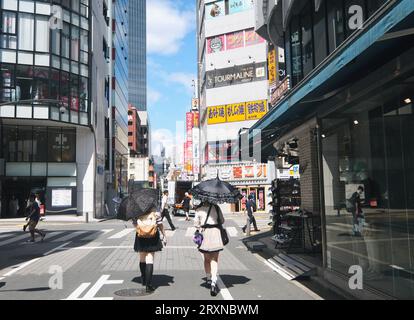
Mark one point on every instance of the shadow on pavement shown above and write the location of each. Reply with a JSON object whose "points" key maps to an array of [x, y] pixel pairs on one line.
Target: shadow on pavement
{"points": [[157, 280], [231, 280], [27, 290]]}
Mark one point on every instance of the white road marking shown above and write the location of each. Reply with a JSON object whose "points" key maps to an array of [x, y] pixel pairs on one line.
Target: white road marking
{"points": [[122, 233], [169, 233], [51, 235], [20, 267], [232, 231], [14, 239], [277, 269], [190, 231], [75, 294], [102, 281], [59, 248], [70, 236], [1, 278], [225, 293]]}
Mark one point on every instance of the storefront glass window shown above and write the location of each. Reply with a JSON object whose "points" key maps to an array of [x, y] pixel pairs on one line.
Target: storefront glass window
{"points": [[68, 145], [40, 144], [54, 145], [24, 144], [374, 5], [368, 165], [24, 82]]}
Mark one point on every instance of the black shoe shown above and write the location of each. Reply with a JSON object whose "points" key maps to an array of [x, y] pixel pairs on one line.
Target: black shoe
{"points": [[244, 229], [24, 228], [43, 236], [149, 289], [173, 229], [208, 284], [256, 230], [214, 291]]}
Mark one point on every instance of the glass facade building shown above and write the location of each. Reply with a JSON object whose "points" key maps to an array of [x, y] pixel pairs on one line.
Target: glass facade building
{"points": [[43, 68], [120, 93], [351, 109], [52, 115], [137, 41]]}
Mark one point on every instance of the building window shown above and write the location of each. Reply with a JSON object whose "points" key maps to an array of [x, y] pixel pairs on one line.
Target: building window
{"points": [[296, 51], [26, 31], [307, 39], [42, 33], [8, 36], [335, 23], [320, 33]]}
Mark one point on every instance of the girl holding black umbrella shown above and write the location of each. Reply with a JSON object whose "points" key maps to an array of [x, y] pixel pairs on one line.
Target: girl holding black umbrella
{"points": [[141, 206], [209, 220]]}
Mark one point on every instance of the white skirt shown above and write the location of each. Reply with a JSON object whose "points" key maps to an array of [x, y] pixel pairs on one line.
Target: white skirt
{"points": [[212, 241]]}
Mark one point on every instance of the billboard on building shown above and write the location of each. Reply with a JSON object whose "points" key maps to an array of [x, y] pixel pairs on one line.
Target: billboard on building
{"points": [[215, 9], [252, 38], [236, 75], [236, 112], [236, 6], [235, 40], [215, 44]]}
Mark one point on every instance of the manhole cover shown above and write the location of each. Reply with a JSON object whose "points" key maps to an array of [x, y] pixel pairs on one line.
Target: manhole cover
{"points": [[132, 293]]}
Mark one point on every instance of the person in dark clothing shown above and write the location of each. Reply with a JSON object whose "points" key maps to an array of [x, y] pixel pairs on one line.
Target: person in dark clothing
{"points": [[357, 214], [251, 207], [186, 206], [34, 217], [165, 213]]}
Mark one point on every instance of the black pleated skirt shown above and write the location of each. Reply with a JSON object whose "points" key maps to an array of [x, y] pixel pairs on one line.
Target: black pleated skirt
{"points": [[148, 245]]}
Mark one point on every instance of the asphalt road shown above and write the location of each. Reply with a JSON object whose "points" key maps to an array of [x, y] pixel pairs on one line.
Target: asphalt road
{"points": [[96, 261]]}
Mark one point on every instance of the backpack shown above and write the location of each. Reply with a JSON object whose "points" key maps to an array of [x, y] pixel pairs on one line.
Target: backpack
{"points": [[147, 226]]}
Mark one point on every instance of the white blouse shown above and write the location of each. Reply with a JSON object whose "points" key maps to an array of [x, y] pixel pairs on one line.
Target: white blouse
{"points": [[213, 219]]}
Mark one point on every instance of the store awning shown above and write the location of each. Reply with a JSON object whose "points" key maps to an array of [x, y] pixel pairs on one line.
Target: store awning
{"points": [[387, 34]]}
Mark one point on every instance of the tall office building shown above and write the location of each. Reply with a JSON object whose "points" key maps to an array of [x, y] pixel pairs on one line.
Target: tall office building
{"points": [[53, 101], [233, 92], [137, 39], [119, 98]]}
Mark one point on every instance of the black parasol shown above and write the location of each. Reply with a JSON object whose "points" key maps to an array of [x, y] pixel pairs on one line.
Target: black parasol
{"points": [[216, 191], [138, 203]]}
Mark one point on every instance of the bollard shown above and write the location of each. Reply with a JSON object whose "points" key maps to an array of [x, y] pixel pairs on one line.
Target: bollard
{"points": [[87, 217]]}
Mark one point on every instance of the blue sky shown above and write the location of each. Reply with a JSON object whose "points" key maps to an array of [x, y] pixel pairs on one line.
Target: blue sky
{"points": [[171, 65]]}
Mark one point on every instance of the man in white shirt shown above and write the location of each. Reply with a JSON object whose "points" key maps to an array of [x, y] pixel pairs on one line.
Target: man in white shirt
{"points": [[165, 213]]}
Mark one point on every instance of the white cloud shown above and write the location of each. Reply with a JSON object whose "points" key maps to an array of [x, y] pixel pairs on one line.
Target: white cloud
{"points": [[167, 26], [181, 78], [153, 95]]}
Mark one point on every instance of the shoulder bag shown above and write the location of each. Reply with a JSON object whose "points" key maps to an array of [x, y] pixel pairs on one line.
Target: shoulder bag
{"points": [[223, 231], [147, 226], [198, 236]]}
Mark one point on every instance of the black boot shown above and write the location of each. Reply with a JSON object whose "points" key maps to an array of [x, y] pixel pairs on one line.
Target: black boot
{"points": [[142, 267], [214, 290], [149, 270]]}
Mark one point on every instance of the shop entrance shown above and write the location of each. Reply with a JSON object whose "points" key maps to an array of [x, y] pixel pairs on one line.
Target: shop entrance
{"points": [[15, 192], [259, 194]]}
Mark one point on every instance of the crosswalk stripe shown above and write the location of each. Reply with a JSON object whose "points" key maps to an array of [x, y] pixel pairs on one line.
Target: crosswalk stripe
{"points": [[232, 231], [169, 233], [69, 236], [190, 231], [95, 235], [121, 234], [14, 239]]}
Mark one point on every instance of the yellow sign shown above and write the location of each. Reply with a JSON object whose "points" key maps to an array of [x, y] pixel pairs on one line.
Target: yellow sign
{"points": [[256, 109], [216, 115], [236, 112], [272, 67]]}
